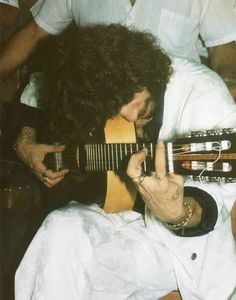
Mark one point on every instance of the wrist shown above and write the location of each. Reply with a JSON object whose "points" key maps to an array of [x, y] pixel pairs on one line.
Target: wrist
{"points": [[27, 136], [184, 221]]}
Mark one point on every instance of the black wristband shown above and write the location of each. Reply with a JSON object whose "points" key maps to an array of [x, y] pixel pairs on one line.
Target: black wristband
{"points": [[209, 213]]}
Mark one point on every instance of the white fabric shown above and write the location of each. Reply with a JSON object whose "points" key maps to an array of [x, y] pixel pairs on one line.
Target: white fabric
{"points": [[10, 2], [30, 94], [83, 253], [176, 23]]}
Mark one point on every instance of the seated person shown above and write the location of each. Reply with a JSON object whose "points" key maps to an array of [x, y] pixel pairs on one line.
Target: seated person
{"points": [[83, 252]]}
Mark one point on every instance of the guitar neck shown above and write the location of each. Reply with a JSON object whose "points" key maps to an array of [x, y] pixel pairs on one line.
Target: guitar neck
{"points": [[209, 156], [113, 157], [103, 157]]}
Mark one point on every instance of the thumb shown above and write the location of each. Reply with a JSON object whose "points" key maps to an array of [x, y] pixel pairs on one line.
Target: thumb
{"points": [[55, 148], [141, 155], [134, 165]]}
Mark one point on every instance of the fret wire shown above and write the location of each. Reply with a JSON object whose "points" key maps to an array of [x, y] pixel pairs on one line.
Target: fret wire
{"points": [[108, 156], [121, 157], [93, 161], [101, 155], [125, 149], [90, 159], [96, 157], [105, 156], [151, 150], [91, 155], [144, 163], [86, 156], [117, 164], [98, 160], [112, 156], [77, 157], [131, 148]]}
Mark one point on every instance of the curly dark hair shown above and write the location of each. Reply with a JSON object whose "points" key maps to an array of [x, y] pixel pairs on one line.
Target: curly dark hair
{"points": [[91, 72]]}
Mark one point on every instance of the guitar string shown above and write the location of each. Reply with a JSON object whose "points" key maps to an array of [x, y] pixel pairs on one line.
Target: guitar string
{"points": [[200, 176], [69, 153]]}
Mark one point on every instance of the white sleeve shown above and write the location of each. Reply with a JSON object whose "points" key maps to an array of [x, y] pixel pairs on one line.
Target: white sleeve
{"points": [[201, 101], [224, 194], [218, 23], [213, 108], [10, 2], [52, 15]]}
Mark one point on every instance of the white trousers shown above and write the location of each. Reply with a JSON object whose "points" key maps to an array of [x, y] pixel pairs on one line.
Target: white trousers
{"points": [[80, 252]]}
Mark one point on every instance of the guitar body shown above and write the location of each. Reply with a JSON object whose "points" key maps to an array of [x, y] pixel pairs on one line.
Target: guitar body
{"points": [[112, 190], [120, 194]]}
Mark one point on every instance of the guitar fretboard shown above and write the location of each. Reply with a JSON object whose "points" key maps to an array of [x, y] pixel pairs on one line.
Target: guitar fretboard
{"points": [[208, 156], [105, 157]]}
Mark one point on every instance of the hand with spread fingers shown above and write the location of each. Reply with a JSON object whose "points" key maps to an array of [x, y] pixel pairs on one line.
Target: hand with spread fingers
{"points": [[163, 192], [32, 154]]}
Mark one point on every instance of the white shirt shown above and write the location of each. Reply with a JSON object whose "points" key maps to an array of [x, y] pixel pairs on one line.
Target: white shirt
{"points": [[11, 2], [84, 253], [197, 99], [176, 23]]}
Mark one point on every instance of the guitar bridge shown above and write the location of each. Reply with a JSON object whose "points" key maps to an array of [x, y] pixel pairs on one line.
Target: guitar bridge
{"points": [[207, 166]]}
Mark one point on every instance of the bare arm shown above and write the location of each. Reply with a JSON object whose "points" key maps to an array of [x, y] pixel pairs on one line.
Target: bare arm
{"points": [[19, 47], [8, 14], [223, 61]]}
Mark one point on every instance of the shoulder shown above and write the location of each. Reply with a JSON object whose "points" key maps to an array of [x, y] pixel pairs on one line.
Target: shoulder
{"points": [[199, 98], [192, 73]]}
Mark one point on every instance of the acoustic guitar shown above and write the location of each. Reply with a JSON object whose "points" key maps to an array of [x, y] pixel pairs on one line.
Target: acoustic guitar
{"points": [[203, 155], [99, 168]]}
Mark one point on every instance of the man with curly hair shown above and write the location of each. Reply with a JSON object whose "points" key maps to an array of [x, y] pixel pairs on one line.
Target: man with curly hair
{"points": [[83, 252]]}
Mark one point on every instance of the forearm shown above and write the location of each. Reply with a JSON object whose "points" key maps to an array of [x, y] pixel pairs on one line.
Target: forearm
{"points": [[8, 15], [19, 47], [223, 61]]}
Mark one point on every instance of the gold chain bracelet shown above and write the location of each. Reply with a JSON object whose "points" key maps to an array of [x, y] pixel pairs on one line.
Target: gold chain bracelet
{"points": [[184, 222], [25, 135]]}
